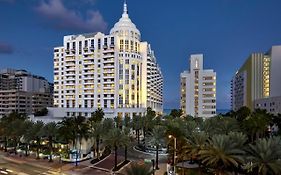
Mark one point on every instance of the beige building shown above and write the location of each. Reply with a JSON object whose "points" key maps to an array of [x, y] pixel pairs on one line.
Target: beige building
{"points": [[258, 78], [23, 92], [117, 72]]}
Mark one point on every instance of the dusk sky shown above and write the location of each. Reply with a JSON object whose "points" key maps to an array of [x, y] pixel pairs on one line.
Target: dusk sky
{"points": [[225, 31]]}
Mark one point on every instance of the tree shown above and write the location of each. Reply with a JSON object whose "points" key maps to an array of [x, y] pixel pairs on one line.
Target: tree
{"points": [[42, 112], [148, 122], [97, 116], [176, 113], [256, 125], [195, 143], [126, 140], [222, 153], [50, 131], [265, 156], [6, 129], [33, 133], [96, 130], [242, 113], [114, 140], [156, 138], [136, 124], [139, 169]]}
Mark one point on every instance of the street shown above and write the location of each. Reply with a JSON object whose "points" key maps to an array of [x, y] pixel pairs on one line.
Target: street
{"points": [[20, 168]]}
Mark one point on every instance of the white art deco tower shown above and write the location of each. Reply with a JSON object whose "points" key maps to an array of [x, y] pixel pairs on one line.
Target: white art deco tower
{"points": [[198, 89], [116, 72]]}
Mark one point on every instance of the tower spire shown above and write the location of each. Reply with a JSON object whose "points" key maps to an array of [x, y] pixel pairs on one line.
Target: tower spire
{"points": [[125, 9]]}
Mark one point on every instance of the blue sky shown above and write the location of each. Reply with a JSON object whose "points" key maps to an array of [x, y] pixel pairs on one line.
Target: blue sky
{"points": [[225, 31]]}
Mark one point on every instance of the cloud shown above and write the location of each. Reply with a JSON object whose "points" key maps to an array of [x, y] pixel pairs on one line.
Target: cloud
{"points": [[6, 48], [60, 17]]}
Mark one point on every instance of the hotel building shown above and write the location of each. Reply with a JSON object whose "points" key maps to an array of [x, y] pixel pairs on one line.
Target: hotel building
{"points": [[116, 72], [257, 80], [198, 89], [22, 92]]}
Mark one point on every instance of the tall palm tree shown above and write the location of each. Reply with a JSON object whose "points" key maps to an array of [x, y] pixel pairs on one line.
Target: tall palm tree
{"points": [[136, 124], [156, 138], [66, 133], [264, 156], [50, 131], [96, 131], [126, 140], [6, 128], [114, 139], [33, 133], [139, 169], [222, 153], [16, 130], [148, 122]]}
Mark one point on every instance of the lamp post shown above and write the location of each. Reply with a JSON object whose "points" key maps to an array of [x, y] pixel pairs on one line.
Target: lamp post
{"points": [[175, 152], [76, 162], [153, 165]]}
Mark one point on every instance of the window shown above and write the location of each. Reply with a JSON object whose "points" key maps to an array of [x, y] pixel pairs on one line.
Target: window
{"points": [[132, 46], [86, 43], [112, 41], [127, 45], [121, 45], [92, 43], [99, 43]]}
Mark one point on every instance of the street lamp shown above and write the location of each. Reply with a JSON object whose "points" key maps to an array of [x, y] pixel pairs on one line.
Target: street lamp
{"points": [[153, 165], [175, 148]]}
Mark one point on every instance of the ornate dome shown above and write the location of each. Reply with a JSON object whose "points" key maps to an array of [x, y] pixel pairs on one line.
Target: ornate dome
{"points": [[124, 23]]}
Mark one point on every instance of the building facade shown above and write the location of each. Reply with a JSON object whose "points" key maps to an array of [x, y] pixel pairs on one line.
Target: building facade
{"points": [[22, 92], [198, 89], [116, 72], [271, 105], [258, 78]]}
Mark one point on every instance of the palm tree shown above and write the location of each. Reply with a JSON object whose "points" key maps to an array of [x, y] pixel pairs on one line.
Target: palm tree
{"points": [[264, 156], [97, 116], [195, 143], [114, 139], [222, 153], [126, 140], [256, 125], [16, 130], [6, 128], [50, 131], [138, 169], [147, 122], [136, 124], [66, 133], [156, 138], [96, 130], [33, 133], [74, 128]]}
